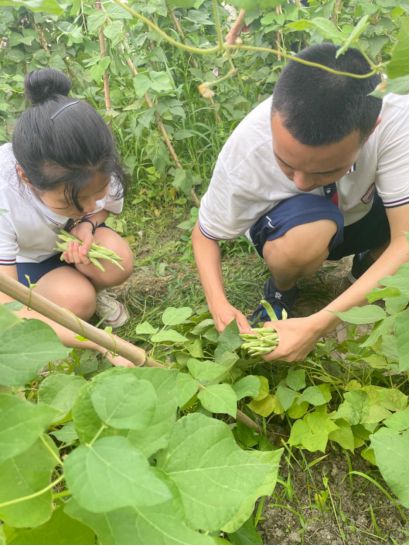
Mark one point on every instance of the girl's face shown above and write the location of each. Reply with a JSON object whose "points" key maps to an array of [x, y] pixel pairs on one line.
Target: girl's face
{"points": [[88, 196]]}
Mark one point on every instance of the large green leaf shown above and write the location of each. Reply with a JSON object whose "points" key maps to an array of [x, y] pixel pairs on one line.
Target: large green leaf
{"points": [[22, 475], [155, 436], [391, 449], [219, 399], [163, 525], [217, 480], [59, 529], [123, 401], [21, 423], [111, 474], [25, 348], [296, 379], [7, 318], [60, 391]]}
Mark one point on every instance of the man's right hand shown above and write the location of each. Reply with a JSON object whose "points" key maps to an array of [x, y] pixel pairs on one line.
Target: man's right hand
{"points": [[226, 313]]}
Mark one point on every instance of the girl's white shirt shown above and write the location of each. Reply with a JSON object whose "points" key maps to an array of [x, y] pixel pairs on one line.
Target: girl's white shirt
{"points": [[28, 228]]}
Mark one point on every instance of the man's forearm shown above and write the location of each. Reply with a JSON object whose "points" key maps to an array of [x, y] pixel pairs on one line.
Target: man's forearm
{"points": [[387, 264], [208, 261]]}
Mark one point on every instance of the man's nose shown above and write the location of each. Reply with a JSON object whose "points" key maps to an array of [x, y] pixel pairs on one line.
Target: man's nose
{"points": [[302, 180]]}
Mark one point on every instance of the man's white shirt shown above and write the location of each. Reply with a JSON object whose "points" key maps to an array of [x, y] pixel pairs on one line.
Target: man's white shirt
{"points": [[247, 182]]}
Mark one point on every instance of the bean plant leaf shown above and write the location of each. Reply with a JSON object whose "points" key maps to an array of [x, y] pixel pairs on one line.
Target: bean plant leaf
{"points": [[168, 336], [59, 529], [229, 339], [172, 316], [60, 391], [7, 318], [25, 348], [398, 421], [296, 379], [286, 396], [363, 315], [317, 395], [111, 474], [155, 436], [47, 6], [354, 35], [123, 401], [140, 525], [205, 371], [247, 386], [187, 387], [399, 63], [312, 432], [402, 337], [268, 405], [215, 478], [23, 475], [391, 450], [145, 328], [21, 423], [219, 399], [343, 436], [86, 420]]}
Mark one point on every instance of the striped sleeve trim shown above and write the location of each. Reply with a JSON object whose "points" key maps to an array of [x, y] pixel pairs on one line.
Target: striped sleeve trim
{"points": [[396, 203], [8, 261], [206, 233]]}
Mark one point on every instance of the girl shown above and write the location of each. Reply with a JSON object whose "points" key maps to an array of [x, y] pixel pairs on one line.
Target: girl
{"points": [[62, 172]]}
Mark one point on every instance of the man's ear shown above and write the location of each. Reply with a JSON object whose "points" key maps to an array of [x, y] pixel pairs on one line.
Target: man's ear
{"points": [[22, 175]]}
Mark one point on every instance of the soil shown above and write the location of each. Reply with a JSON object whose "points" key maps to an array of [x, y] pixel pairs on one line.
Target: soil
{"points": [[355, 512]]}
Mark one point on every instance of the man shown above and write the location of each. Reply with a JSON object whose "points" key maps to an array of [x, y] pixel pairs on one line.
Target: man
{"points": [[318, 172]]}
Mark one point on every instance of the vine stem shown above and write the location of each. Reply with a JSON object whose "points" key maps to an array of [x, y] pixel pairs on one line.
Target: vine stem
{"points": [[33, 495], [240, 47], [54, 455], [103, 53]]}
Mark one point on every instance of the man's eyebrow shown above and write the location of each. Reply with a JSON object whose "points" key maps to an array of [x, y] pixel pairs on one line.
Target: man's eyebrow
{"points": [[322, 172]]}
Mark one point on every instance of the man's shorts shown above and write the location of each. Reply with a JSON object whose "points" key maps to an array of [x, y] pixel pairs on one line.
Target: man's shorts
{"points": [[371, 231]]}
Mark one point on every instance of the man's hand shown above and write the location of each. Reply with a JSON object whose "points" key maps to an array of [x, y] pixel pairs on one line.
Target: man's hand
{"points": [[76, 253], [225, 313], [297, 337]]}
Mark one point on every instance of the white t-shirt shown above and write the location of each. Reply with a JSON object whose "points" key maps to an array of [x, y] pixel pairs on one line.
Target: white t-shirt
{"points": [[29, 229], [247, 181]]}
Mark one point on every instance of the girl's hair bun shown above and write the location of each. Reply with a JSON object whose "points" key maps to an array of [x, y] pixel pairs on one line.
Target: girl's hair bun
{"points": [[41, 85]]}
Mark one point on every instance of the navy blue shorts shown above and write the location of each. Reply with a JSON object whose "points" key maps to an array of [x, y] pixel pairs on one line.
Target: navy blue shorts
{"points": [[371, 231], [36, 270]]}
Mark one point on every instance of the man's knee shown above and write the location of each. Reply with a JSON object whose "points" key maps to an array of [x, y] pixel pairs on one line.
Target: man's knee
{"points": [[302, 244]]}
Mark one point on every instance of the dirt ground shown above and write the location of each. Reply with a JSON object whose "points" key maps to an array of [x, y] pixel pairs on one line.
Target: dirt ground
{"points": [[348, 510]]}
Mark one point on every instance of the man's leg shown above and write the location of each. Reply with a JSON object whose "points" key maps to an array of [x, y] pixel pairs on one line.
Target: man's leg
{"points": [[299, 252]]}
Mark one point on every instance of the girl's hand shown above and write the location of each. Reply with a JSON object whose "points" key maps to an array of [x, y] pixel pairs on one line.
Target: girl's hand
{"points": [[76, 253], [225, 313]]}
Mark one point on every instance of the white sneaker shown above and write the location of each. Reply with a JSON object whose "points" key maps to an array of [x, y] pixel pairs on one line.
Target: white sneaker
{"points": [[110, 310]]}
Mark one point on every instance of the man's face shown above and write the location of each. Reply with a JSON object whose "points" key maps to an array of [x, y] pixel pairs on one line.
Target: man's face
{"points": [[311, 167]]}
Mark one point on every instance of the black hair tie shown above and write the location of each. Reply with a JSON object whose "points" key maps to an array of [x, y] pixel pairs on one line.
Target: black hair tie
{"points": [[89, 222]]}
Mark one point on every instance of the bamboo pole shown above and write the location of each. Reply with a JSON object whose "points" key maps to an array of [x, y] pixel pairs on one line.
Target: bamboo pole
{"points": [[69, 320]]}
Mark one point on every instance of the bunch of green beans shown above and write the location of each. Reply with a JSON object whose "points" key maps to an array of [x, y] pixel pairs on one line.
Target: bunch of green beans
{"points": [[95, 254], [260, 342]]}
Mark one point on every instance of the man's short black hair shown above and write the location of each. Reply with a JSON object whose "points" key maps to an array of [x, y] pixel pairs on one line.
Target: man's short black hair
{"points": [[318, 107]]}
